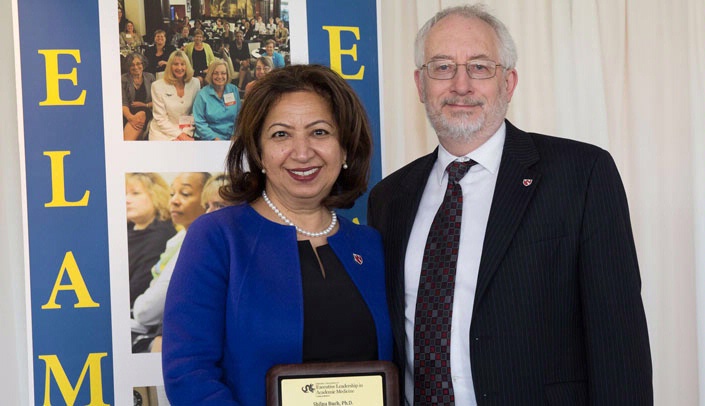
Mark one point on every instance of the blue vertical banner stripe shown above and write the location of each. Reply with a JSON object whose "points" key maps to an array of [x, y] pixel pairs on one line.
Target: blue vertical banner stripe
{"points": [[343, 35], [66, 202]]}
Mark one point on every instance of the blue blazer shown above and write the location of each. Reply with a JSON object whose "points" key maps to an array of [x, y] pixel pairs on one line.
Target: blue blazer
{"points": [[557, 317], [235, 307]]}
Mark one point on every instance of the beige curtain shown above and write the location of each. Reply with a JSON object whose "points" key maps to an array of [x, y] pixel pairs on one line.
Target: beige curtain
{"points": [[628, 76]]}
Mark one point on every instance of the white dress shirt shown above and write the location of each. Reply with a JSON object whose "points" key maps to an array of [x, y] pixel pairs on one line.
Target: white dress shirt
{"points": [[478, 188]]}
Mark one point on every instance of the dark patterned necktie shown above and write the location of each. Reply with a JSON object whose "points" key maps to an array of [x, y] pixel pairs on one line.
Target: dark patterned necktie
{"points": [[434, 303]]}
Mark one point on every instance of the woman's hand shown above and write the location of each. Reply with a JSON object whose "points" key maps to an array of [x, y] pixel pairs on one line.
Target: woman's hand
{"points": [[135, 122], [138, 104], [183, 137]]}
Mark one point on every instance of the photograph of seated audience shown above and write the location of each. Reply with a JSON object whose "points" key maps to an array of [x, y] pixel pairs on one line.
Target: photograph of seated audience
{"points": [[217, 104], [160, 106], [192, 195], [149, 226], [263, 66], [136, 97], [172, 101], [158, 54]]}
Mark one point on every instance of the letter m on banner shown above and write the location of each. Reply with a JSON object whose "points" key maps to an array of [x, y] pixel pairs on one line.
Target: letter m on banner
{"points": [[70, 392]]}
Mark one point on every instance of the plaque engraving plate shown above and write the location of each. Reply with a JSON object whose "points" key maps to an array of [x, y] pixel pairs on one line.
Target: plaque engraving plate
{"points": [[368, 383]]}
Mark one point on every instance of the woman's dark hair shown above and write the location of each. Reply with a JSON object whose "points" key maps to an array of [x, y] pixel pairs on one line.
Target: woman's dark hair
{"points": [[354, 133], [131, 57]]}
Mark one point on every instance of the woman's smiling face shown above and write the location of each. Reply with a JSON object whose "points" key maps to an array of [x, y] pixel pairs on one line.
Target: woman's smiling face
{"points": [[301, 149]]}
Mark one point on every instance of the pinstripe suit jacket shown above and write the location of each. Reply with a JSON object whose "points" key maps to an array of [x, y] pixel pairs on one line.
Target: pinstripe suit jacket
{"points": [[558, 317]]}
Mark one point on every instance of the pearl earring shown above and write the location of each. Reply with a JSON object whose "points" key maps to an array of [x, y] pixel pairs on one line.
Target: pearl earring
{"points": [[345, 165], [264, 171]]}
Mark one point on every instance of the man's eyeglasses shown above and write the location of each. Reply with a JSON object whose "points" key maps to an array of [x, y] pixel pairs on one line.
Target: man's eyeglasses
{"points": [[444, 69]]}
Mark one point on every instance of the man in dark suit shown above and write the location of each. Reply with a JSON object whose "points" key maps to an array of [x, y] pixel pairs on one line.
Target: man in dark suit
{"points": [[546, 304]]}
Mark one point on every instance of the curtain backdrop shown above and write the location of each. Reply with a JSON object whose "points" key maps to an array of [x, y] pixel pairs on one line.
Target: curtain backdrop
{"points": [[628, 76]]}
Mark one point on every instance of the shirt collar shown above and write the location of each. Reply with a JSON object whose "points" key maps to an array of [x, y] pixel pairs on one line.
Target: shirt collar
{"points": [[487, 156]]}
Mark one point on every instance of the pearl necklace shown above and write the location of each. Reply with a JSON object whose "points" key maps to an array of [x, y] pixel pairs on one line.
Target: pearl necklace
{"points": [[333, 222]]}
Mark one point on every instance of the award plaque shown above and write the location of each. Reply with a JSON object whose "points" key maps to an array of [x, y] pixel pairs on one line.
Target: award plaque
{"points": [[367, 383]]}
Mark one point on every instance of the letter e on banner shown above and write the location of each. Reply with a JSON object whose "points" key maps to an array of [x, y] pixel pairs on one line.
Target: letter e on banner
{"points": [[336, 52], [69, 393], [77, 285], [51, 67]]}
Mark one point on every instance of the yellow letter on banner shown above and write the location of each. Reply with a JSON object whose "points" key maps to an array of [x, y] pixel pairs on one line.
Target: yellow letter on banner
{"points": [[51, 64], [336, 53], [77, 285], [69, 393], [58, 195]]}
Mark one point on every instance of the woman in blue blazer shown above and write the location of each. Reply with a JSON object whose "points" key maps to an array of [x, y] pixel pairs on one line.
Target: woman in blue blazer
{"points": [[280, 278]]}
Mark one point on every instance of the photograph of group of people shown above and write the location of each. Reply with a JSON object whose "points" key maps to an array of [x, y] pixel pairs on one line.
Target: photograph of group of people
{"points": [[160, 208], [186, 80]]}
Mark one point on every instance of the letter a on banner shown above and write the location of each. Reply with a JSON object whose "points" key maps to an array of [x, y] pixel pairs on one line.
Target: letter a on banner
{"points": [[77, 285]]}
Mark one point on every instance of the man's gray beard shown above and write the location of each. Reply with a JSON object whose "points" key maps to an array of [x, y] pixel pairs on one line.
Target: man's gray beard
{"points": [[462, 129]]}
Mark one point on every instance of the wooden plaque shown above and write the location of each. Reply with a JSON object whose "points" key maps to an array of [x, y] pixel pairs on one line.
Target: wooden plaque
{"points": [[367, 383]]}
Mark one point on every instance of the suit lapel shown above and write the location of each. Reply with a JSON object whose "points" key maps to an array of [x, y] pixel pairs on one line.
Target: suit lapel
{"points": [[401, 212], [515, 187], [406, 202]]}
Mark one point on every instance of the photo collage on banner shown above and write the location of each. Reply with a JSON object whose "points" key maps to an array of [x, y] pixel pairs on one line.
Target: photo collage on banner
{"points": [[170, 74]]}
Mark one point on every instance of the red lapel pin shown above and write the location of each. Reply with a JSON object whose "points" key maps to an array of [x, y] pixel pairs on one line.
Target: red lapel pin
{"points": [[357, 258], [527, 182]]}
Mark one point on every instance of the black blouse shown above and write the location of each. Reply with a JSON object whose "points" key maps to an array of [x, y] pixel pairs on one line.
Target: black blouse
{"points": [[143, 249], [200, 66], [338, 325], [153, 60]]}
